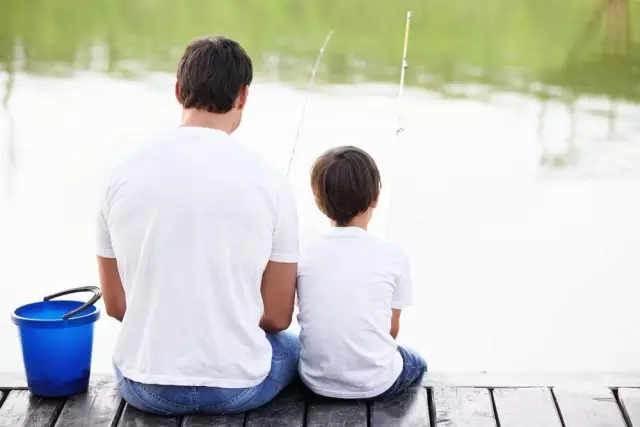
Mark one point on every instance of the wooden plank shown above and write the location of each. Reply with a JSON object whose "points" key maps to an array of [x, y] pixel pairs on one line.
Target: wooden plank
{"points": [[96, 408], [462, 379], [131, 417], [405, 410], [463, 407], [588, 407], [526, 407], [533, 379], [286, 410], [235, 420], [18, 381], [630, 401], [12, 381], [336, 413], [21, 408]]}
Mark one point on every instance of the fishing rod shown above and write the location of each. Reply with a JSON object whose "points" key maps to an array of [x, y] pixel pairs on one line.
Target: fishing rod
{"points": [[306, 99], [403, 72], [400, 128]]}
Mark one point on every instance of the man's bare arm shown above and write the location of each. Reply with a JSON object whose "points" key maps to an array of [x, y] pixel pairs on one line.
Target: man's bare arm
{"points": [[111, 286], [278, 295], [395, 322]]}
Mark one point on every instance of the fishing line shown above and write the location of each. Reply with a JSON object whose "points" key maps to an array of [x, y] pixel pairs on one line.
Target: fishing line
{"points": [[306, 99], [400, 128]]}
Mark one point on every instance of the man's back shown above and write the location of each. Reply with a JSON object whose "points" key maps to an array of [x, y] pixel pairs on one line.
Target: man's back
{"points": [[191, 221]]}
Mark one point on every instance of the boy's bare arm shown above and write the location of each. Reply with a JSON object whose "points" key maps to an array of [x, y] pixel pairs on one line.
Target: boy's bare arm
{"points": [[278, 295], [395, 322]]}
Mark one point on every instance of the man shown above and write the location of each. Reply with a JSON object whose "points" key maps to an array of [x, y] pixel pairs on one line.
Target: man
{"points": [[197, 253]]}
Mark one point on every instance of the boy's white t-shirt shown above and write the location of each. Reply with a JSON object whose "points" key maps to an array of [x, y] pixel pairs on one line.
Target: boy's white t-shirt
{"points": [[348, 282], [192, 220]]}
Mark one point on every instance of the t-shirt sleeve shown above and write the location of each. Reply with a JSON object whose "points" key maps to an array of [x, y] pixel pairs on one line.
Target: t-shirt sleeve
{"points": [[285, 237], [402, 296], [103, 238]]}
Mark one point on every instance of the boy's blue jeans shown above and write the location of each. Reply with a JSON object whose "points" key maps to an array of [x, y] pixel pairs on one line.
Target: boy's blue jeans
{"points": [[413, 369], [183, 400]]}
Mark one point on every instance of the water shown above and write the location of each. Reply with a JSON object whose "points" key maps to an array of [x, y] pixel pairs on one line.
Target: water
{"points": [[515, 185]]}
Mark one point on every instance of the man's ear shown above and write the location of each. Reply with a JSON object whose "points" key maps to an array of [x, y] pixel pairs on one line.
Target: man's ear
{"points": [[241, 100], [177, 89], [375, 203]]}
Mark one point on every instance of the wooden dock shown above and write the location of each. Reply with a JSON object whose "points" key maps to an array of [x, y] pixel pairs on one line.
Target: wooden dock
{"points": [[441, 400]]}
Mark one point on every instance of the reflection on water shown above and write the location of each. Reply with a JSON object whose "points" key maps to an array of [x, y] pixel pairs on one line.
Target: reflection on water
{"points": [[548, 50], [515, 184]]}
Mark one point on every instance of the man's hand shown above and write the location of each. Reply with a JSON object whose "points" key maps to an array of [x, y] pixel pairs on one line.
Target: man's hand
{"points": [[278, 295], [111, 286]]}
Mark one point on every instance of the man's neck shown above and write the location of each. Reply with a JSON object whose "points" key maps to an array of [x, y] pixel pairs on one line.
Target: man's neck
{"points": [[203, 119]]}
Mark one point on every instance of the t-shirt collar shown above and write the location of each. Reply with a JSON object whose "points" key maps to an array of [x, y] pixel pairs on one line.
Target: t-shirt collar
{"points": [[347, 231], [202, 130]]}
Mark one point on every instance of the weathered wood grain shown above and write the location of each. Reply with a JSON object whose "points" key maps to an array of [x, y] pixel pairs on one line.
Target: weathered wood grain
{"points": [[463, 407], [526, 407], [235, 420], [18, 381], [462, 379], [131, 417], [580, 405], [96, 408], [588, 407], [531, 379], [23, 409], [323, 412], [630, 401], [409, 409], [286, 410]]}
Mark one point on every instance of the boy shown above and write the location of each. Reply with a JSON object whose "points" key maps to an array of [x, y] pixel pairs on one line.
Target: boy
{"points": [[351, 289]]}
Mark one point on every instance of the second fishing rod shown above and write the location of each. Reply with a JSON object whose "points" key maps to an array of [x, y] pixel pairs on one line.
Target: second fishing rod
{"points": [[399, 128]]}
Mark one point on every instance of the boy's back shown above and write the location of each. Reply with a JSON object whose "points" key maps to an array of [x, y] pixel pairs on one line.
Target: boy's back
{"points": [[352, 287], [348, 283]]}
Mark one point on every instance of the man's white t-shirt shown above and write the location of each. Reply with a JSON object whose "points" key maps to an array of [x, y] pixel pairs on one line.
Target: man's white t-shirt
{"points": [[192, 220], [348, 282]]}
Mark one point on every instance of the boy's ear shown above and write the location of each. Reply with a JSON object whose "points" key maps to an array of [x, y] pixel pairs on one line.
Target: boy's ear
{"points": [[177, 92], [241, 100], [375, 203]]}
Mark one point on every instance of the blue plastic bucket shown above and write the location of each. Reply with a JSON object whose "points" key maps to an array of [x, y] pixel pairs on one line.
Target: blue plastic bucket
{"points": [[57, 340]]}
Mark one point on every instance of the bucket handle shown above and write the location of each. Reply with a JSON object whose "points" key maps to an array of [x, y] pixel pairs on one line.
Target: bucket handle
{"points": [[96, 296]]}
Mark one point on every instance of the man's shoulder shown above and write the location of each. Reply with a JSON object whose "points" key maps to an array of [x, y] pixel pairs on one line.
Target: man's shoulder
{"points": [[126, 158], [258, 166]]}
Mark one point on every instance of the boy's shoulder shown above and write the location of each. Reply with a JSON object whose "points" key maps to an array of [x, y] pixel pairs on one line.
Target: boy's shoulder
{"points": [[391, 250], [373, 246]]}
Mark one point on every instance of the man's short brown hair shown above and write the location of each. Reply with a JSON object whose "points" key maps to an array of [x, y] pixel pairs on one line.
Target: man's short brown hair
{"points": [[345, 182], [211, 73]]}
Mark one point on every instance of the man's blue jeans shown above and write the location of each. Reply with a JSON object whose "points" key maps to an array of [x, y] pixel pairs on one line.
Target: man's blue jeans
{"points": [[413, 369], [183, 400]]}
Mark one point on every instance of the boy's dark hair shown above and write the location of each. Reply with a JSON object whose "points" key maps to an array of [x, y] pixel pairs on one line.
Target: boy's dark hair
{"points": [[211, 73], [345, 182]]}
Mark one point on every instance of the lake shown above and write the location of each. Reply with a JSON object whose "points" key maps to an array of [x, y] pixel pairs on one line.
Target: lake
{"points": [[515, 188]]}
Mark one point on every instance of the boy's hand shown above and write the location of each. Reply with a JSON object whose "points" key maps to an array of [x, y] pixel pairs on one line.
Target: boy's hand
{"points": [[395, 322]]}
